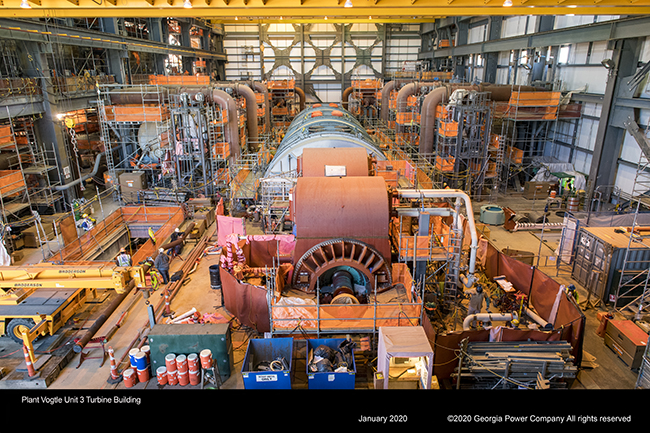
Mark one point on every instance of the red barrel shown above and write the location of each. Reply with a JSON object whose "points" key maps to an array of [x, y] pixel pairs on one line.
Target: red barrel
{"points": [[172, 377], [147, 351], [206, 358], [181, 364], [161, 375], [129, 377]]}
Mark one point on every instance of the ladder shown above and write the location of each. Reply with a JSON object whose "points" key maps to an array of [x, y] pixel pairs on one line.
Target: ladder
{"points": [[453, 265]]}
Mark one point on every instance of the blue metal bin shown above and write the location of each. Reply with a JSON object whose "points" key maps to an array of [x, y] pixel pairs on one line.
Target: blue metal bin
{"points": [[329, 380], [267, 350]]}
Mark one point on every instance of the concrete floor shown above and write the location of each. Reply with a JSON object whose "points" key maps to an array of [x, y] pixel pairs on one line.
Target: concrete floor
{"points": [[608, 371]]}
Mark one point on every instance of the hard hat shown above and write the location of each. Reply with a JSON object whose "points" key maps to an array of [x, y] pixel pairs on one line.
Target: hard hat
{"points": [[85, 215], [122, 250], [160, 250], [177, 230]]}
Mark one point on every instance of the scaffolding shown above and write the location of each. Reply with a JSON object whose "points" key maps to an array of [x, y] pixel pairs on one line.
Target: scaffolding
{"points": [[282, 96], [525, 125], [140, 134], [462, 141], [363, 101], [633, 292]]}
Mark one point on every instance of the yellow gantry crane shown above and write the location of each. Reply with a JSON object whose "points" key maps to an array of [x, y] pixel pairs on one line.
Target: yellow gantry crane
{"points": [[39, 299]]}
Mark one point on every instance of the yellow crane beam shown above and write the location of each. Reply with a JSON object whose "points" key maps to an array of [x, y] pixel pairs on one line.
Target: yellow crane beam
{"points": [[316, 10]]}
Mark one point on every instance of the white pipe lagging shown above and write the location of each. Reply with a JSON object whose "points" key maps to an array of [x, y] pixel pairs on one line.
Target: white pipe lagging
{"points": [[452, 193], [488, 317]]}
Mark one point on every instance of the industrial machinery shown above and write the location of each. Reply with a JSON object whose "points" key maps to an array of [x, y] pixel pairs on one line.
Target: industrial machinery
{"points": [[49, 295]]}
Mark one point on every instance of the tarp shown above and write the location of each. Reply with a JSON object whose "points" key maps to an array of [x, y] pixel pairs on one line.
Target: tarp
{"points": [[227, 226], [403, 342]]}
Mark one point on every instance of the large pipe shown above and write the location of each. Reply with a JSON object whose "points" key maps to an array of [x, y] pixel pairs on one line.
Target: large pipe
{"points": [[402, 98], [228, 104], [346, 96], [385, 99], [428, 118], [451, 193], [261, 88], [488, 317], [301, 96], [251, 110]]}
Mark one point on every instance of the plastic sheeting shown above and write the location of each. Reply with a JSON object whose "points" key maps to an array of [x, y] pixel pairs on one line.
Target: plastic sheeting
{"points": [[403, 342], [544, 174], [227, 226]]}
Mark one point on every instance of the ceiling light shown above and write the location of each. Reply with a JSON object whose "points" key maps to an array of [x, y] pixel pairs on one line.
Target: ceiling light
{"points": [[507, 3], [348, 4], [187, 4], [25, 4]]}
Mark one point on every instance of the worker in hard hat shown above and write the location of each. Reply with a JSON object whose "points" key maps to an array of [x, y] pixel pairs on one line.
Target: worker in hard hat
{"points": [[174, 237], [571, 291], [123, 259], [162, 265], [87, 223], [476, 298]]}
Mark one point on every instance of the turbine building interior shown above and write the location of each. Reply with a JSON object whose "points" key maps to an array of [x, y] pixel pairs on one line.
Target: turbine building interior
{"points": [[348, 195]]}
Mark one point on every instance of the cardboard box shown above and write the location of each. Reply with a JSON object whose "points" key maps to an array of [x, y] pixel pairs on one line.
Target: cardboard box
{"points": [[537, 190], [205, 214], [131, 183]]}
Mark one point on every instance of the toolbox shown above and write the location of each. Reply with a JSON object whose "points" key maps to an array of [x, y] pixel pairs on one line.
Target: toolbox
{"points": [[627, 340]]}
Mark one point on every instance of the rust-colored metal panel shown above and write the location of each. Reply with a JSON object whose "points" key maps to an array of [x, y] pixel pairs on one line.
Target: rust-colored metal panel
{"points": [[354, 159], [68, 229], [341, 207]]}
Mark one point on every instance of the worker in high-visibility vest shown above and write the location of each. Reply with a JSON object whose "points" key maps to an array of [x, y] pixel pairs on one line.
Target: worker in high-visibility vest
{"points": [[152, 236], [123, 259]]}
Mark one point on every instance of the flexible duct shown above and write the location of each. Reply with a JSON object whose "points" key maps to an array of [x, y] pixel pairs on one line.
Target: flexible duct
{"points": [[98, 159], [488, 317], [451, 193]]}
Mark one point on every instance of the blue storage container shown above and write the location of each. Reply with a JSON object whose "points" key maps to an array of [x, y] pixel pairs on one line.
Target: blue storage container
{"points": [[269, 351], [329, 380]]}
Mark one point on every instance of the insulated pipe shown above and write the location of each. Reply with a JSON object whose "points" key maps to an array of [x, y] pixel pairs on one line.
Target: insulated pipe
{"points": [[251, 110], [251, 106], [301, 95], [428, 112], [385, 98], [228, 104], [261, 88], [487, 317], [451, 193], [346, 97], [428, 118]]}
